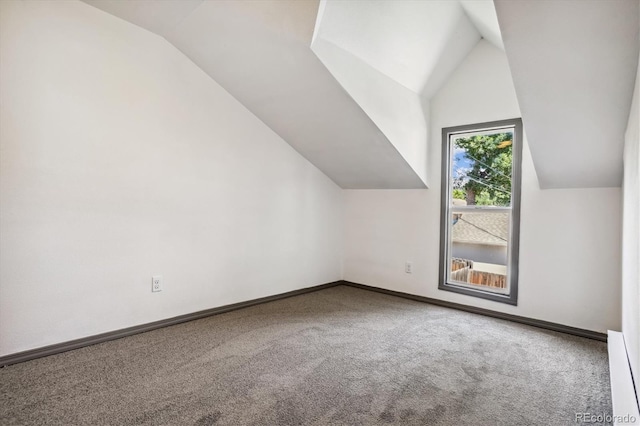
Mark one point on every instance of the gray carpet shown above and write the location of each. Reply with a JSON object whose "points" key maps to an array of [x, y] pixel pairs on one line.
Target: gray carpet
{"points": [[339, 356]]}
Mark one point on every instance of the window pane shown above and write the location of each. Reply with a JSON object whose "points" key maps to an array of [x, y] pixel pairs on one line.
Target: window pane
{"points": [[481, 169], [478, 250], [480, 217]]}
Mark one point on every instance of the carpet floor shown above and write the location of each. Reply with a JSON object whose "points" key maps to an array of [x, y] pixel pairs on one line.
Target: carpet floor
{"points": [[339, 356]]}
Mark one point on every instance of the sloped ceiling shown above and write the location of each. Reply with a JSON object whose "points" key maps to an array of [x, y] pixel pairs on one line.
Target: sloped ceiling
{"points": [[348, 83], [483, 15], [416, 44], [573, 64], [259, 52], [392, 57], [160, 17]]}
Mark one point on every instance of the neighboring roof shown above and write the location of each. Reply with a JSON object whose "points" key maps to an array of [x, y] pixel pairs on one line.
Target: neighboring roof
{"points": [[482, 228]]}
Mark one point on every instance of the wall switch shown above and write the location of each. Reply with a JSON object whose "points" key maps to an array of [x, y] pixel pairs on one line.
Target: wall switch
{"points": [[156, 283], [408, 267]]}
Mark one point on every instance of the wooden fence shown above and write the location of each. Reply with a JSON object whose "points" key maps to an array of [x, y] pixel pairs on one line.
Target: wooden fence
{"points": [[463, 272], [460, 263]]}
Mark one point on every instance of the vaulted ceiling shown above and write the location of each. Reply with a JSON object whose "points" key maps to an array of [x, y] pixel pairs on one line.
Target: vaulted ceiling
{"points": [[259, 51], [392, 57], [348, 83], [573, 64]]}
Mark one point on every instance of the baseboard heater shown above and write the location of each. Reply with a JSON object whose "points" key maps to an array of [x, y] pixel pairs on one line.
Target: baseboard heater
{"points": [[623, 392]]}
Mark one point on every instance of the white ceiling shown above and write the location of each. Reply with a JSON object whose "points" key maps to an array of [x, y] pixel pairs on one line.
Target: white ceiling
{"points": [[573, 64], [392, 56], [408, 41], [483, 15], [259, 52], [406, 53], [359, 109], [160, 17]]}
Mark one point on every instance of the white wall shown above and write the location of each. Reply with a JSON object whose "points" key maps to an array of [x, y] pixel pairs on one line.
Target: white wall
{"points": [[569, 248], [121, 159], [631, 236]]}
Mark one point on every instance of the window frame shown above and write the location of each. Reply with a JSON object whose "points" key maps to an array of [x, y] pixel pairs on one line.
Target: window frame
{"points": [[514, 224]]}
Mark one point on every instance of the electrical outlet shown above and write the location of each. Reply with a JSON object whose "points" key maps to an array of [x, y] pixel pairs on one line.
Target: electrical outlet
{"points": [[408, 267], [156, 283]]}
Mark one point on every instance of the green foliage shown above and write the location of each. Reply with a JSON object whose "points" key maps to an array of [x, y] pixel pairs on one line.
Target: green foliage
{"points": [[490, 175], [484, 199], [459, 194]]}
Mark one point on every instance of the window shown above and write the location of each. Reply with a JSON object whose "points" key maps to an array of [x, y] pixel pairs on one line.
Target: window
{"points": [[480, 214]]}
